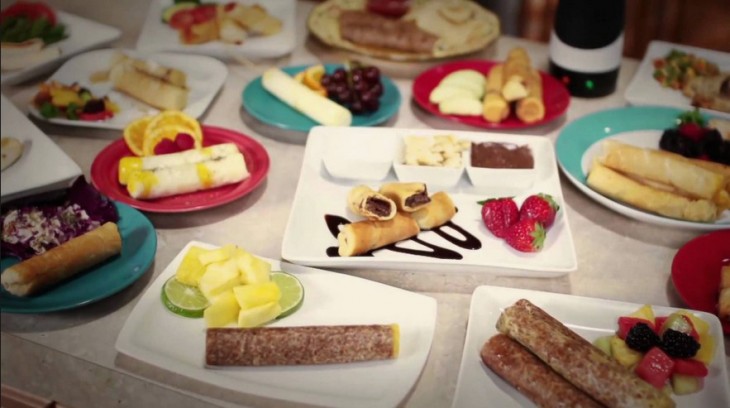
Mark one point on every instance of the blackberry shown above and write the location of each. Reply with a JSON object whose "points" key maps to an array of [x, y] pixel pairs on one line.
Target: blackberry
{"points": [[642, 338], [679, 345]]}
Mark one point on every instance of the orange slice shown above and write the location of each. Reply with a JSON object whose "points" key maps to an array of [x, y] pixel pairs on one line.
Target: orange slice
{"points": [[313, 78], [134, 135]]}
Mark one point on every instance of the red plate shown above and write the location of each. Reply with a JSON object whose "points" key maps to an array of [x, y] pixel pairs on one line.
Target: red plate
{"points": [[696, 271], [555, 95], [105, 170]]}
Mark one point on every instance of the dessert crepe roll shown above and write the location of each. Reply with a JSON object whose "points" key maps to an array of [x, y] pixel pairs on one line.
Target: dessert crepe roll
{"points": [[577, 360], [622, 188], [186, 178], [438, 212], [360, 237], [363, 200], [536, 380], [60, 263], [408, 197], [494, 107], [267, 346], [517, 68], [531, 108]]}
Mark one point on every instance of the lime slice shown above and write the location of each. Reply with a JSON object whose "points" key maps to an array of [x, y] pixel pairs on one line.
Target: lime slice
{"points": [[292, 292], [183, 300]]}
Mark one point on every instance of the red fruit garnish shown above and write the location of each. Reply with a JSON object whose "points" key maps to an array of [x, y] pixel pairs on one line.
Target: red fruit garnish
{"points": [[166, 146], [498, 214], [659, 322], [625, 323], [541, 208], [691, 367], [691, 131], [655, 367], [526, 236], [184, 141]]}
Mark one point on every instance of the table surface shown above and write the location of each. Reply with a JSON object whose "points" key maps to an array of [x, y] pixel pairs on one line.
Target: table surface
{"points": [[618, 258]]}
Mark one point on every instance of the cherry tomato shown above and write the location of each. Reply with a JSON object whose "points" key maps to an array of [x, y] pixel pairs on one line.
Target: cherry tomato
{"points": [[30, 10], [389, 8]]}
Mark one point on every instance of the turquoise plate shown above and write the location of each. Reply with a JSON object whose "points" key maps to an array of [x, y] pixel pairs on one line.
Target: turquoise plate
{"points": [[269, 109], [139, 245], [642, 126]]}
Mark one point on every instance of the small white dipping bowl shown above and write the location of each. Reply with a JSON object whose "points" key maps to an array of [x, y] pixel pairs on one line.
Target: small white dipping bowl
{"points": [[358, 157], [502, 178]]}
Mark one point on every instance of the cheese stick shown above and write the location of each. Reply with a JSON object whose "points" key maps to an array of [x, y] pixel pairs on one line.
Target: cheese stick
{"points": [[362, 200], [577, 360], [360, 237], [621, 188], [60, 263], [531, 108], [438, 212], [408, 197], [130, 164], [298, 96], [187, 178], [494, 107]]}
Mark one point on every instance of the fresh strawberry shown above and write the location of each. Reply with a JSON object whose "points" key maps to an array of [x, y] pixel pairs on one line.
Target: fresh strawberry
{"points": [[526, 235], [166, 146], [692, 131], [184, 141], [498, 214], [541, 208]]}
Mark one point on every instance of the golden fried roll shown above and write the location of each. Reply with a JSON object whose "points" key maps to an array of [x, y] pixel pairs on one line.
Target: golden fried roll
{"points": [[408, 197], [531, 108], [619, 187], [577, 360], [438, 212], [267, 346], [363, 200], [360, 237], [533, 378], [664, 167], [494, 107], [517, 68], [723, 304], [62, 262]]}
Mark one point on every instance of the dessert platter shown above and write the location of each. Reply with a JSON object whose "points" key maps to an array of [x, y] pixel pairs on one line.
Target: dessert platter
{"points": [[221, 29], [130, 83], [339, 162]]}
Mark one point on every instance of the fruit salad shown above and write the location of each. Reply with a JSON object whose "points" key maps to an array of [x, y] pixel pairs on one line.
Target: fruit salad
{"points": [[678, 67], [692, 138], [73, 102]]}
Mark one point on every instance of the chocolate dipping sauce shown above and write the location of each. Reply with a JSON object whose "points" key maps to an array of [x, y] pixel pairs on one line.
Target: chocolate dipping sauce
{"points": [[501, 156]]}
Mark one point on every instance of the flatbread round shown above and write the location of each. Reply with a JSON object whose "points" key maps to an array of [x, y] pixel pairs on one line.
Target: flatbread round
{"points": [[11, 149], [462, 27]]}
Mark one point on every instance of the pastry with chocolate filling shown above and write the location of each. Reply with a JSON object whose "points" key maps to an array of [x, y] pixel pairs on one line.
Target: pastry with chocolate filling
{"points": [[361, 237], [363, 200], [409, 197], [438, 212]]}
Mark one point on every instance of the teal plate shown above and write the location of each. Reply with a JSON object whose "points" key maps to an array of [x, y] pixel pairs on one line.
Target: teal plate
{"points": [[139, 245], [641, 126], [271, 110]]}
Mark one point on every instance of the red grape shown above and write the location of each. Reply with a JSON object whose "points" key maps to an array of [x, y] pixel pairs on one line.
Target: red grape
{"points": [[372, 74]]}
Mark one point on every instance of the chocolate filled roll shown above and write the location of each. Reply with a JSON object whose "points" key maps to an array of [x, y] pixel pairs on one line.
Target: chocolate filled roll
{"points": [[305, 345], [436, 213], [409, 197], [360, 237], [362, 200]]}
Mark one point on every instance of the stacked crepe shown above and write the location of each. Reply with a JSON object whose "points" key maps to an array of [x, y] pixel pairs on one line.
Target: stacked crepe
{"points": [[514, 82], [661, 182]]}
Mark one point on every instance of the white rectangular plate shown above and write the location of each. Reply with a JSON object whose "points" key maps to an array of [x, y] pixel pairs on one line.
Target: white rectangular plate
{"points": [[307, 238], [154, 335], [158, 36], [83, 34], [590, 318], [205, 76], [43, 165], [645, 90]]}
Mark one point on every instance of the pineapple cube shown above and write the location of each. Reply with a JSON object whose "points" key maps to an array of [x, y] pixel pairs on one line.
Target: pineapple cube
{"points": [[218, 278], [644, 312], [686, 384], [257, 294], [707, 348], [191, 270], [253, 269], [223, 311], [604, 344], [217, 255], [626, 356], [258, 315]]}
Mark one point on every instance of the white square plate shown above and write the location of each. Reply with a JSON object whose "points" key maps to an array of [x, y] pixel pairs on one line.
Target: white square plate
{"points": [[205, 76], [307, 237], [590, 318], [158, 36], [156, 336], [645, 90], [83, 34], [43, 165]]}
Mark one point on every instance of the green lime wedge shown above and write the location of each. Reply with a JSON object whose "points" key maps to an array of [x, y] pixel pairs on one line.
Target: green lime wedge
{"points": [[183, 300], [292, 292]]}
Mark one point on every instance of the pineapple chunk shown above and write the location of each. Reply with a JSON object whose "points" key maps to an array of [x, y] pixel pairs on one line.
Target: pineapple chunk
{"points": [[686, 384], [258, 315], [217, 255], [218, 278], [644, 312], [191, 270], [223, 311], [707, 348], [253, 269], [623, 353], [604, 344], [257, 294]]}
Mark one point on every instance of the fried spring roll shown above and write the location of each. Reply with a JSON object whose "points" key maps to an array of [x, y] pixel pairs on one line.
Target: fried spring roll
{"points": [[360, 237], [438, 212], [408, 197], [531, 108], [622, 188], [62, 262], [533, 378], [363, 200], [577, 360], [305, 345], [494, 107]]}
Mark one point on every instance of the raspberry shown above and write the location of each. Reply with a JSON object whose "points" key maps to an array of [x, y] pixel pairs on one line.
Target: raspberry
{"points": [[642, 338], [679, 345]]}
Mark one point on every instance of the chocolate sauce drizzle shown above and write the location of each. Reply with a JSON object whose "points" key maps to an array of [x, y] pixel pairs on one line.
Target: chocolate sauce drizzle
{"points": [[467, 241]]}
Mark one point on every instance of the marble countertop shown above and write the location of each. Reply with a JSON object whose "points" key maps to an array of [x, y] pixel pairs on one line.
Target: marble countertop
{"points": [[70, 356]]}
